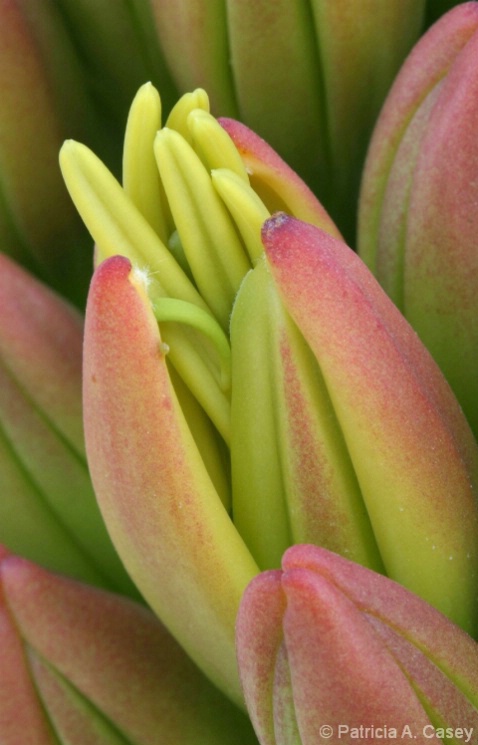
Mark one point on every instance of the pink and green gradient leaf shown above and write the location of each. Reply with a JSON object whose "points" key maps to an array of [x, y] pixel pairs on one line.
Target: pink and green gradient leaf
{"points": [[325, 641], [103, 667], [309, 657], [163, 513], [48, 508], [389, 605], [417, 230], [440, 660], [338, 666], [411, 448], [41, 333], [441, 249], [17, 691], [423, 70]]}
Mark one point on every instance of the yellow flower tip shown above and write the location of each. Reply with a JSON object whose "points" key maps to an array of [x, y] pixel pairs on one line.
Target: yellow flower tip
{"points": [[72, 146], [177, 119], [147, 87], [213, 144], [74, 157], [147, 99], [67, 149]]}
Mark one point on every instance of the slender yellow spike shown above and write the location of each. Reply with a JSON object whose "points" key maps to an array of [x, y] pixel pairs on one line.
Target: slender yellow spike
{"points": [[246, 207], [178, 116], [212, 246], [213, 144], [141, 180], [117, 227], [168, 523], [115, 224]]}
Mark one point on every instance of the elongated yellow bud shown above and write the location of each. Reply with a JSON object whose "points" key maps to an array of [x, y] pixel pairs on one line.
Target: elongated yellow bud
{"points": [[213, 144], [246, 207], [141, 180], [178, 116], [213, 250], [115, 224]]}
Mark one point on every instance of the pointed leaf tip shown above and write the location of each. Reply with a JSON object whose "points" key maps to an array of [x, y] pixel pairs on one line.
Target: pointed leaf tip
{"points": [[153, 487], [273, 231]]}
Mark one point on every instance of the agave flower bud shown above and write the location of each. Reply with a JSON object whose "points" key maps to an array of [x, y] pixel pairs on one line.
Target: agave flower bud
{"points": [[300, 396], [48, 511], [81, 665], [331, 652], [418, 220], [188, 216], [157, 400], [385, 429], [309, 80]]}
